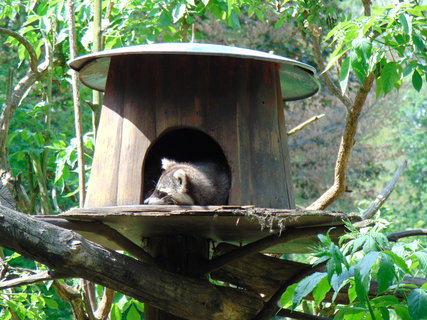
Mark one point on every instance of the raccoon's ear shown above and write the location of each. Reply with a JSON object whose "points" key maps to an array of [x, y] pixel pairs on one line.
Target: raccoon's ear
{"points": [[166, 163], [181, 176]]}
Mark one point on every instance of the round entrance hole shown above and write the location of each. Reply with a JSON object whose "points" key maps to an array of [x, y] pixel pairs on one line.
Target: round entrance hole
{"points": [[181, 145]]}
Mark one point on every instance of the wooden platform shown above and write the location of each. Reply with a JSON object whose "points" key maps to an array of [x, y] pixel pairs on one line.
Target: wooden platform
{"points": [[231, 224]]}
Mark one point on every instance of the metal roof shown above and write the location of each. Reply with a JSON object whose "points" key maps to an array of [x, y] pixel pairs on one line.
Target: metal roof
{"points": [[298, 80]]}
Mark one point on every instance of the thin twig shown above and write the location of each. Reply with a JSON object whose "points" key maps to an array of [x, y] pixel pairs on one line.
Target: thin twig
{"points": [[384, 194], [305, 123], [30, 279]]}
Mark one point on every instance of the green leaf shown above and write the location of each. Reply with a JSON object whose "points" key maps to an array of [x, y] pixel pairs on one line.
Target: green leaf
{"points": [[365, 265], [178, 12], [286, 299], [404, 23], [402, 312], [306, 286], [384, 301], [385, 273], [390, 75], [334, 58], [320, 291], [417, 304], [344, 73], [418, 42], [417, 81], [115, 312], [422, 259], [361, 286], [133, 314]]}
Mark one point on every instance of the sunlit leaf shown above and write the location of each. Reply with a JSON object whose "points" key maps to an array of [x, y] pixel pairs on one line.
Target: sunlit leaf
{"points": [[286, 299], [344, 75], [417, 304], [306, 286], [178, 12], [418, 42], [320, 291], [385, 273], [390, 75]]}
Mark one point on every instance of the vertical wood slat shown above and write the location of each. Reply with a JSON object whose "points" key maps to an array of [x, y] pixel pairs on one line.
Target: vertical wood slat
{"points": [[103, 183]]}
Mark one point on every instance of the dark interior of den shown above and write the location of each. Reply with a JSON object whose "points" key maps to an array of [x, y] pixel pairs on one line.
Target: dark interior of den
{"points": [[182, 145]]}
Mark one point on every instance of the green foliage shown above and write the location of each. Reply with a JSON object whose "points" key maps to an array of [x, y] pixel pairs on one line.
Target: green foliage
{"points": [[125, 308], [364, 256], [38, 301], [390, 44]]}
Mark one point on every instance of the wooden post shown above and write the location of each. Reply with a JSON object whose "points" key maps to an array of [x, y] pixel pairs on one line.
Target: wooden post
{"points": [[178, 254]]}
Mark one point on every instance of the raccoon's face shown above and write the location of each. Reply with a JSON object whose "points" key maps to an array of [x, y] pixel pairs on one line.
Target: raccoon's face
{"points": [[171, 188]]}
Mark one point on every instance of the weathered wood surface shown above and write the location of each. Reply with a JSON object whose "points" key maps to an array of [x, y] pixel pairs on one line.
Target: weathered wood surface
{"points": [[236, 102], [257, 272], [235, 224], [69, 253]]}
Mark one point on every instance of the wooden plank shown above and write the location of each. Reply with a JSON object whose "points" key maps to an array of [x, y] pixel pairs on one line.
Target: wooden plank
{"points": [[135, 142], [220, 223], [102, 190]]}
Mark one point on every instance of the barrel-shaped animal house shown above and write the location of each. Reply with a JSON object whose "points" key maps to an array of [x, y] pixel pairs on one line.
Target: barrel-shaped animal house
{"points": [[193, 102]]}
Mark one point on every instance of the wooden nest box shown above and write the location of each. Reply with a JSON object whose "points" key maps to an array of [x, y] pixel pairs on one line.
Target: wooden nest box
{"points": [[190, 102]]}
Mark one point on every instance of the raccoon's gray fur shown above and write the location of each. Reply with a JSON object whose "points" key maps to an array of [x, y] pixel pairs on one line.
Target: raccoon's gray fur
{"points": [[199, 183]]}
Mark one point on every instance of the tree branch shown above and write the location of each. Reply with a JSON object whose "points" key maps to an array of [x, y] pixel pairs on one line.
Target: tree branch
{"points": [[28, 46], [384, 194], [77, 105], [72, 296], [347, 142], [408, 233], [71, 254], [30, 279], [304, 124]]}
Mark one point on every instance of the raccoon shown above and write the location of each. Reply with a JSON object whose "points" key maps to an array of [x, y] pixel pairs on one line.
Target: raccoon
{"points": [[198, 183]]}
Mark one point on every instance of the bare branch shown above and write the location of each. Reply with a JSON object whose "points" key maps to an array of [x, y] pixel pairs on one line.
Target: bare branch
{"points": [[28, 46], [347, 142], [77, 105], [305, 123], [30, 279], [384, 194], [105, 305], [367, 5], [408, 233], [72, 296]]}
